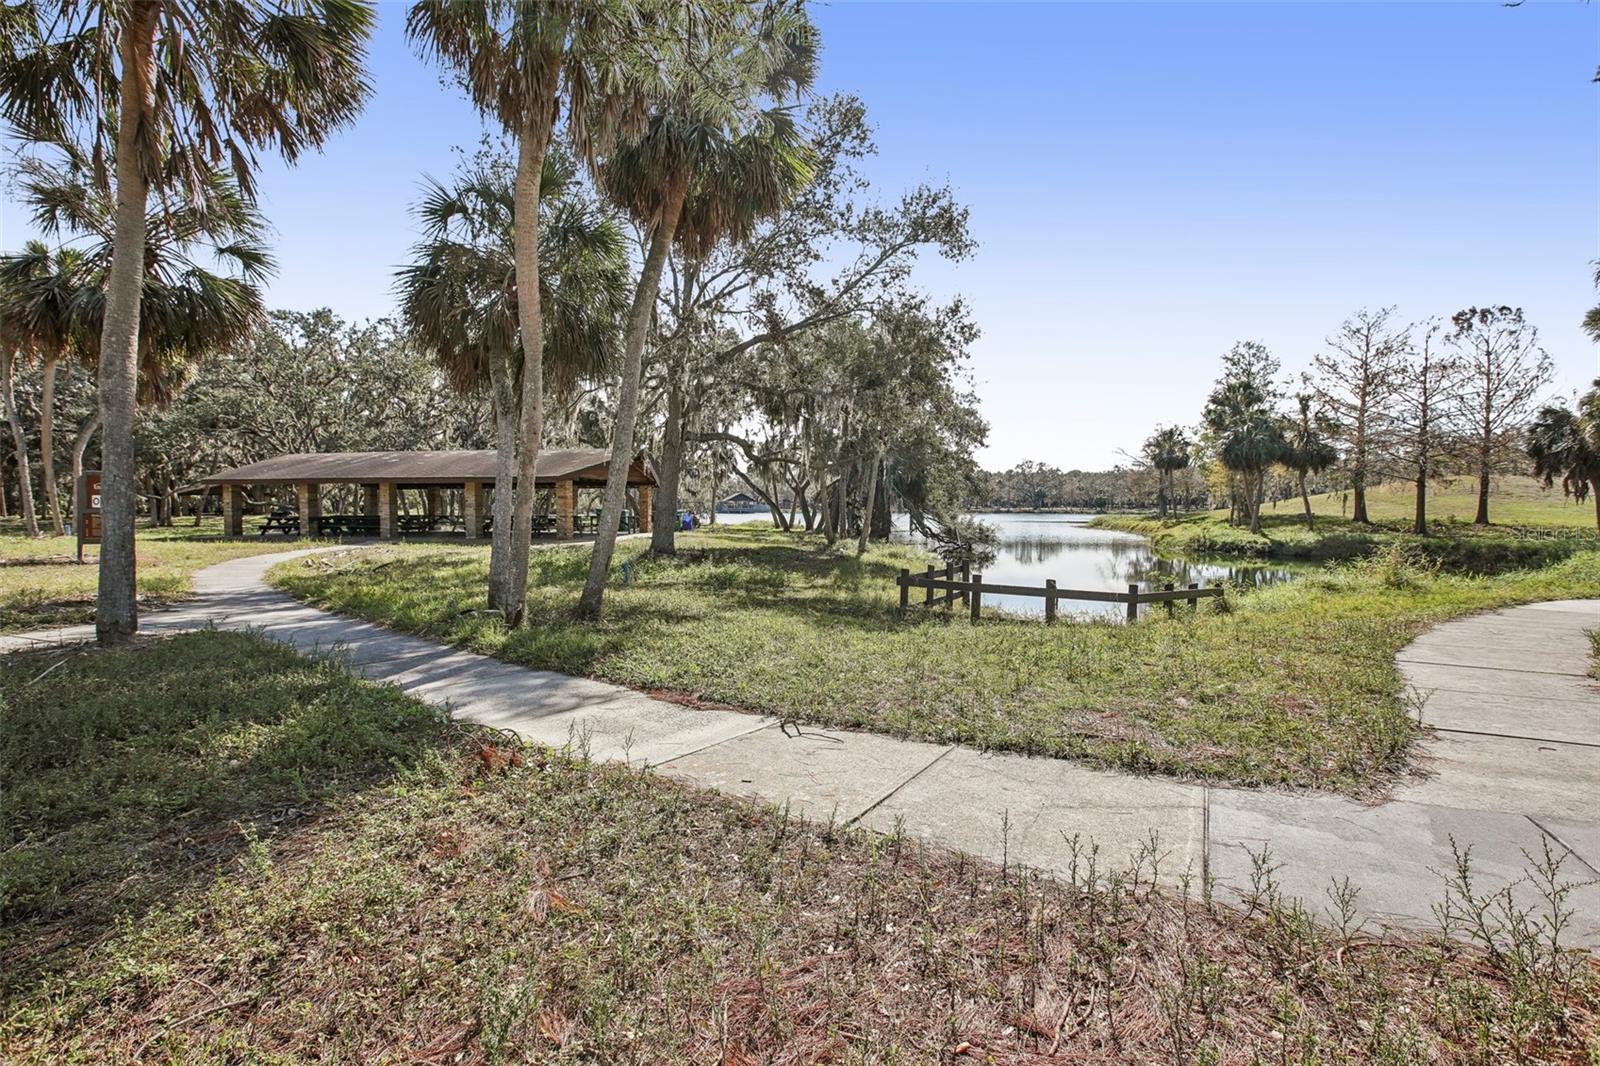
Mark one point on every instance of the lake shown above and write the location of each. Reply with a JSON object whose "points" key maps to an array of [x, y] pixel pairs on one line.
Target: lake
{"points": [[1035, 547]]}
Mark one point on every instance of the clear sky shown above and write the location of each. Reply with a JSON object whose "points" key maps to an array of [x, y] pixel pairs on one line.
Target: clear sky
{"points": [[1148, 184]]}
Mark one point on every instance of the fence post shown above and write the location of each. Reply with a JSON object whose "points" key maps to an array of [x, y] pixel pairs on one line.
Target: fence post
{"points": [[905, 589], [976, 585], [1170, 605], [1133, 603], [966, 575], [927, 598], [1049, 600], [1194, 601], [949, 594]]}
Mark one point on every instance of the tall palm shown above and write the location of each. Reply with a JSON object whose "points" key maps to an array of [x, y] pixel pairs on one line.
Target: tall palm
{"points": [[714, 160], [1167, 450], [188, 308], [1565, 445], [520, 62], [1307, 451], [38, 288], [459, 293], [169, 91]]}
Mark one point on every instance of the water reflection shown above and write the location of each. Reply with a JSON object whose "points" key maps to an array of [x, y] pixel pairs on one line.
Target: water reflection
{"points": [[1033, 548]]}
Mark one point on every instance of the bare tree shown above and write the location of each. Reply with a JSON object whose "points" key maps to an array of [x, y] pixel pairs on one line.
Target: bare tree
{"points": [[1354, 381], [1425, 427], [1504, 370]]}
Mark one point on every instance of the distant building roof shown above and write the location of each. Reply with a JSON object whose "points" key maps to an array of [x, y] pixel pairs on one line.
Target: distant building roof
{"points": [[587, 466]]}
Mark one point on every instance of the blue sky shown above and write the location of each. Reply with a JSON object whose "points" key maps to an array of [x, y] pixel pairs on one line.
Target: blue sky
{"points": [[1148, 184]]}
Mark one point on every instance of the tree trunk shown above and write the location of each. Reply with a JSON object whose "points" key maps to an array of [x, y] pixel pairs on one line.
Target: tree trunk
{"points": [[872, 500], [503, 399], [669, 473], [1420, 523], [79, 447], [711, 493], [530, 326], [644, 298], [1305, 498], [47, 445], [1161, 494], [1482, 517], [19, 440], [1594, 489], [117, 606]]}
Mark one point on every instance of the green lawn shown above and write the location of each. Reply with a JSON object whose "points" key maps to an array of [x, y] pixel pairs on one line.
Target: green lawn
{"points": [[212, 850], [42, 583], [1513, 501], [1294, 684], [1458, 547]]}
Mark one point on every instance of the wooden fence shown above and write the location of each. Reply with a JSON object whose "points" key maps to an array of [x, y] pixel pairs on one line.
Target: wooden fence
{"points": [[951, 585]]}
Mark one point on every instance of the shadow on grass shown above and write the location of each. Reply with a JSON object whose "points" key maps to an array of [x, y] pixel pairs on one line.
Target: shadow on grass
{"points": [[133, 775]]}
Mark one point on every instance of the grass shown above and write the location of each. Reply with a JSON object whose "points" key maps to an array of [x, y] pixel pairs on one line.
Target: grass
{"points": [[260, 858], [1513, 501], [1460, 547], [1291, 685], [42, 584]]}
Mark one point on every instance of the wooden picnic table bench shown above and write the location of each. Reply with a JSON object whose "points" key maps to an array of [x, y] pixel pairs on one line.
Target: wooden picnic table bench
{"points": [[281, 521]]}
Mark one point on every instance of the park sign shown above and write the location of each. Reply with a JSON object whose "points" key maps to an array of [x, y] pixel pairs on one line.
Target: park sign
{"points": [[87, 511]]}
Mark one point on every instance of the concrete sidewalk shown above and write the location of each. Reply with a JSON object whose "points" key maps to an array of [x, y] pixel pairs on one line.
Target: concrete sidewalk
{"points": [[1515, 759]]}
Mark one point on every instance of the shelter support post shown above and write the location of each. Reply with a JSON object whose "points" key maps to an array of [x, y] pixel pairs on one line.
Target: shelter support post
{"points": [[369, 499], [472, 509], [233, 510], [388, 510], [646, 499], [566, 505], [309, 497]]}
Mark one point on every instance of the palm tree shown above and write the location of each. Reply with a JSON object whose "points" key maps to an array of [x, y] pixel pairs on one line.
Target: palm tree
{"points": [[459, 294], [187, 309], [712, 162], [12, 343], [167, 93], [38, 291], [1307, 451], [1565, 444], [520, 62], [1249, 448], [1167, 450]]}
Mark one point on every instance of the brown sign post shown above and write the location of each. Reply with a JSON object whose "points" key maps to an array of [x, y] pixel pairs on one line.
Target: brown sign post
{"points": [[87, 511]]}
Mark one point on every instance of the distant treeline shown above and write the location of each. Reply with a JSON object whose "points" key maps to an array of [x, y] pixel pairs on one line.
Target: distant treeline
{"points": [[1039, 486]]}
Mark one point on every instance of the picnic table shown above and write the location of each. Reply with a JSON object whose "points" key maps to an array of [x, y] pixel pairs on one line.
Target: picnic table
{"points": [[281, 521], [347, 525], [423, 523]]}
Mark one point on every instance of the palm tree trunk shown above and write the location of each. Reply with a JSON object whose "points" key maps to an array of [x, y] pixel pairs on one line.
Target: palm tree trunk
{"points": [[47, 458], [116, 606], [669, 473], [530, 324], [1305, 498], [79, 447], [503, 399], [644, 298], [19, 440]]}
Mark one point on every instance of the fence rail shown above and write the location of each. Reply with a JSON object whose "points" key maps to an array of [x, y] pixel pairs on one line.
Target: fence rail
{"points": [[952, 585]]}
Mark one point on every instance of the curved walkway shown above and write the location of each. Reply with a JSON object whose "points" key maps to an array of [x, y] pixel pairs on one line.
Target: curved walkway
{"points": [[1515, 759]]}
